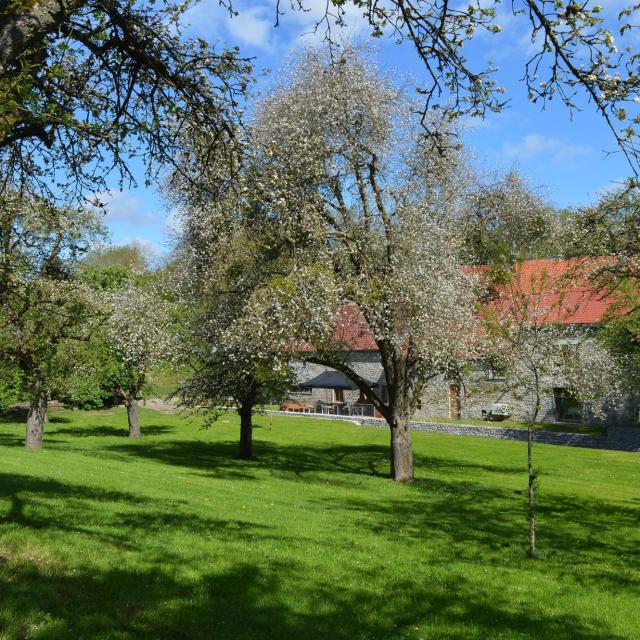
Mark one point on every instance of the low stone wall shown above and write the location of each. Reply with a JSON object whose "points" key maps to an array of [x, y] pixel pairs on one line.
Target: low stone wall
{"points": [[505, 433], [618, 438]]}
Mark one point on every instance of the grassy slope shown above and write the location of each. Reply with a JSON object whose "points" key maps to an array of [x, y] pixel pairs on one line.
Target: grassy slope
{"points": [[163, 381], [172, 537]]}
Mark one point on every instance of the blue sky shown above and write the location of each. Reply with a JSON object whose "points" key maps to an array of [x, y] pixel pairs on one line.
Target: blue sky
{"points": [[566, 157]]}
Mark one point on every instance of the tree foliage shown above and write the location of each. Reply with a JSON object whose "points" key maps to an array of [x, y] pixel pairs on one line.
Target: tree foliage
{"points": [[507, 221], [610, 229], [11, 385], [621, 336], [226, 255], [86, 86], [42, 302], [581, 52], [131, 336], [363, 212], [131, 258], [137, 337]]}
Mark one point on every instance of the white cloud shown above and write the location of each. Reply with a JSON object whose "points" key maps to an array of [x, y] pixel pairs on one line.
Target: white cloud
{"points": [[252, 26], [122, 206], [534, 145]]}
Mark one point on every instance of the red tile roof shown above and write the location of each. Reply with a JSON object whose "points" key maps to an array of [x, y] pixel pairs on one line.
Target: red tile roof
{"points": [[563, 287], [353, 330]]}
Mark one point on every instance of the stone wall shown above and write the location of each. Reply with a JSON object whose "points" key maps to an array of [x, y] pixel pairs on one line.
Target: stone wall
{"points": [[619, 439], [478, 393]]}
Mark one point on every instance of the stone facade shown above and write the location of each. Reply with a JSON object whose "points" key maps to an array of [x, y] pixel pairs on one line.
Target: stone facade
{"points": [[366, 364], [479, 392]]}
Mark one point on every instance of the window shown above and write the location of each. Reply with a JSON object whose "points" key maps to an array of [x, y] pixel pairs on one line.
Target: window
{"points": [[304, 391], [338, 395], [568, 408]]}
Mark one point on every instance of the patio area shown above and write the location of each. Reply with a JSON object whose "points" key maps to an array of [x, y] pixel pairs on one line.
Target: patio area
{"points": [[331, 408]]}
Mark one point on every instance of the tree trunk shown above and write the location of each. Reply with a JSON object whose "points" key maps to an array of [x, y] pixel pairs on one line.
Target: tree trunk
{"points": [[401, 450], [26, 24], [533, 476], [246, 433], [36, 419], [132, 416], [531, 551]]}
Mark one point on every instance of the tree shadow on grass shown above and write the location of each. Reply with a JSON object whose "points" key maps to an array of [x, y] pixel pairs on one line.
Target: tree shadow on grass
{"points": [[249, 601], [108, 430], [593, 539], [16, 415], [591, 532], [110, 516], [98, 431], [220, 458], [148, 595], [11, 440]]}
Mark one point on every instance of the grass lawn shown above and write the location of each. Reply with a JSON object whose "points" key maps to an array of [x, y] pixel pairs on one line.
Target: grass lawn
{"points": [[163, 381], [563, 427], [173, 537]]}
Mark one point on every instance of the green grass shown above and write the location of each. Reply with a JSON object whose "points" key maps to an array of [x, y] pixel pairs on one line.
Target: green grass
{"points": [[562, 427], [163, 381], [173, 537]]}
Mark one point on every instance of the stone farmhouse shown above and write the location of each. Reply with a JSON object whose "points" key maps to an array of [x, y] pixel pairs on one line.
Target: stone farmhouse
{"points": [[483, 393]]}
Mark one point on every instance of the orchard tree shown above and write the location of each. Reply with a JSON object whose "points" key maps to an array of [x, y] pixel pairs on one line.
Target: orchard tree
{"points": [[507, 220], [225, 372], [230, 365], [582, 52], [226, 253], [138, 336], [95, 371], [372, 214], [538, 349], [42, 302], [89, 367], [86, 87]]}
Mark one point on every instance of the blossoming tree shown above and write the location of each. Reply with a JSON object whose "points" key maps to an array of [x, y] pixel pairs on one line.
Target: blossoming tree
{"points": [[538, 348], [225, 256], [225, 371], [42, 302], [139, 336], [360, 195]]}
